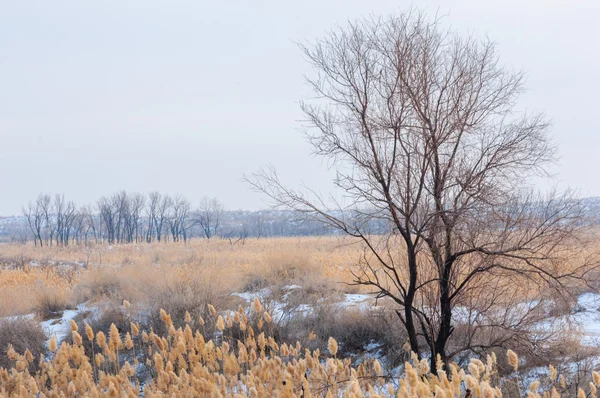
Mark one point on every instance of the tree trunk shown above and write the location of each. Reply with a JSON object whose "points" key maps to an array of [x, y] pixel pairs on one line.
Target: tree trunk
{"points": [[446, 328]]}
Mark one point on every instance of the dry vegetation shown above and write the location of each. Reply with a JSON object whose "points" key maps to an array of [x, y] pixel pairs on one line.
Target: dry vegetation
{"points": [[162, 354], [131, 272], [238, 357]]}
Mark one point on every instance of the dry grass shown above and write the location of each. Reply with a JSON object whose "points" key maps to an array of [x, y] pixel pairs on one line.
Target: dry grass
{"points": [[128, 271], [21, 334], [20, 289], [51, 302], [133, 272], [184, 362], [184, 279]]}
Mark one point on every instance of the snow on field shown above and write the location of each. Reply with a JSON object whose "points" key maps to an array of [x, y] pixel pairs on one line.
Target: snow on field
{"points": [[281, 311], [354, 299], [17, 317], [290, 289], [588, 317], [585, 318], [249, 296], [60, 327]]}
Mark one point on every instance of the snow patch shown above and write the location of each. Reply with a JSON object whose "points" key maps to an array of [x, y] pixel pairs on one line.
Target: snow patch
{"points": [[250, 296], [60, 327]]}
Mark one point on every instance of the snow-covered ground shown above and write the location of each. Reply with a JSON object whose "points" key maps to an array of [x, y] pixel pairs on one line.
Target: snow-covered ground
{"points": [[282, 311], [60, 327], [584, 319], [587, 317]]}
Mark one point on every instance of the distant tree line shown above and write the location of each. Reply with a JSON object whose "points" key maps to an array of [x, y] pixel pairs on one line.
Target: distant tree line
{"points": [[121, 218], [134, 218]]}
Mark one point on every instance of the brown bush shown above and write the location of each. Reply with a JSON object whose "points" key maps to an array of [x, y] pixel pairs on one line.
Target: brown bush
{"points": [[102, 283], [51, 303], [179, 296], [353, 329], [18, 261], [277, 269], [22, 334], [110, 314]]}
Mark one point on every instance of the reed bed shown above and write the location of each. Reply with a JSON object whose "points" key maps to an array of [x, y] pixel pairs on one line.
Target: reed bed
{"points": [[28, 272], [239, 358]]}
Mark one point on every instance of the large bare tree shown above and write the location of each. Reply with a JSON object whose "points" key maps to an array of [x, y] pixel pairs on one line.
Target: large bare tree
{"points": [[421, 127]]}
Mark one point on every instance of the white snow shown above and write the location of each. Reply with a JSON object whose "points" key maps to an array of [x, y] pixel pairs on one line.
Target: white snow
{"points": [[588, 318], [585, 319], [249, 296], [359, 301], [353, 299], [60, 327], [17, 317]]}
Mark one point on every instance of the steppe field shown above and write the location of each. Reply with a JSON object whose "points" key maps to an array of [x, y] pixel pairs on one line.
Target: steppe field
{"points": [[320, 198], [259, 317]]}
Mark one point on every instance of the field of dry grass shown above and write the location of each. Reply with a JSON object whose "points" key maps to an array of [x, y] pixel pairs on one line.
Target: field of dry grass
{"points": [[238, 358], [107, 287], [29, 273]]}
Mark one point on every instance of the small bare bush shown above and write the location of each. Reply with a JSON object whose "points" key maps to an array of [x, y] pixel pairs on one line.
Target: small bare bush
{"points": [[185, 363], [102, 283], [22, 334], [181, 296], [109, 315], [357, 332], [18, 261], [51, 303]]}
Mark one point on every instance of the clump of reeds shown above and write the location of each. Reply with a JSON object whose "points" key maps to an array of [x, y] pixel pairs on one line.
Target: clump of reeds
{"points": [[247, 363]]}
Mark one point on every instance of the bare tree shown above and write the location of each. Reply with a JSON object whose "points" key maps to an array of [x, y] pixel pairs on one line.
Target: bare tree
{"points": [[89, 222], [64, 216], [420, 125], [107, 216], [152, 214], [138, 201], [35, 220], [161, 217], [178, 218], [44, 202], [209, 216], [120, 207], [257, 225], [69, 218]]}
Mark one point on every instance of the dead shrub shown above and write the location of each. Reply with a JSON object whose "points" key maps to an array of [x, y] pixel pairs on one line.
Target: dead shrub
{"points": [[23, 334], [357, 332], [51, 303], [277, 269], [179, 296], [111, 314], [102, 283], [19, 262]]}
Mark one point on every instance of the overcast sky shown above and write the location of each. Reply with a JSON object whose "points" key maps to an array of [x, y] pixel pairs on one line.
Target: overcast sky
{"points": [[186, 97]]}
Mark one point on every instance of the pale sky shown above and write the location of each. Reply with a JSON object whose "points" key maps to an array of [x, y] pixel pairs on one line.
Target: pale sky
{"points": [[187, 96]]}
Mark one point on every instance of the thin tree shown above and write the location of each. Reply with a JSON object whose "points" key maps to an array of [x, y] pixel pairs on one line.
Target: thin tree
{"points": [[152, 214], [138, 202], [209, 216], [177, 218], [421, 127], [44, 203], [161, 217], [35, 220]]}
